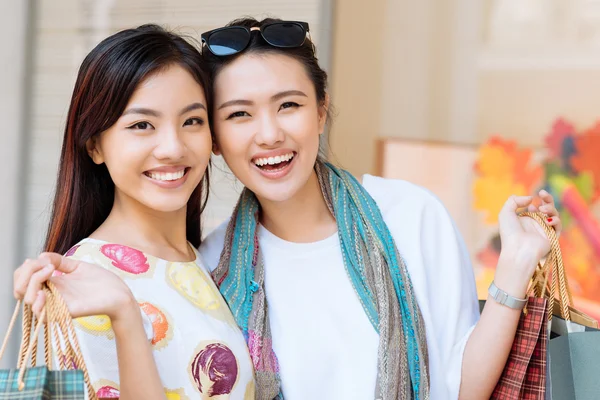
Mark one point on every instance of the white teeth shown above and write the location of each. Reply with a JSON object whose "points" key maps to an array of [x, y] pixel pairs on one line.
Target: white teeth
{"points": [[273, 160], [167, 176]]}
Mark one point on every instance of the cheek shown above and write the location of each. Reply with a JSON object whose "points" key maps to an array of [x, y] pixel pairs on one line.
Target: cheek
{"points": [[124, 157], [233, 140], [303, 127], [201, 146]]}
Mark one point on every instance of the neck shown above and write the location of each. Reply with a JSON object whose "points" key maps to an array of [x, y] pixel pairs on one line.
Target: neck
{"points": [[304, 218], [161, 234]]}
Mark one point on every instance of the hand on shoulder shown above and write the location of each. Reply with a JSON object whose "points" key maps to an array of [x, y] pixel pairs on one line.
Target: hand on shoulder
{"points": [[86, 288]]}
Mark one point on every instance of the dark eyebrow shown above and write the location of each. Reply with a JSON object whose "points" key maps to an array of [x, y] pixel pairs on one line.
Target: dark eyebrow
{"points": [[235, 103], [192, 107], [286, 93], [154, 113], [143, 111], [275, 97]]}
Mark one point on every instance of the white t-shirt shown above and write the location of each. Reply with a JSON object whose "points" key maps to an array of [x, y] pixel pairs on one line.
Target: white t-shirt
{"points": [[199, 351], [325, 344]]}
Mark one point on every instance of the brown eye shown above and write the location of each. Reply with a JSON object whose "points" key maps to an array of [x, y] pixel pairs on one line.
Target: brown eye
{"points": [[288, 104], [193, 121], [238, 114], [141, 126]]}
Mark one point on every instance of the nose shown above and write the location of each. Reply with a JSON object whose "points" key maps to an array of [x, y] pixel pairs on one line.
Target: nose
{"points": [[269, 132], [170, 145]]}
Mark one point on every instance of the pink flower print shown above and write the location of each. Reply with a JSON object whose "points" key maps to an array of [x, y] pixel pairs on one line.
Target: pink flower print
{"points": [[108, 392], [126, 259]]}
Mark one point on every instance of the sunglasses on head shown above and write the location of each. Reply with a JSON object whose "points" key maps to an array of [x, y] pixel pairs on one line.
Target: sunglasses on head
{"points": [[234, 39]]}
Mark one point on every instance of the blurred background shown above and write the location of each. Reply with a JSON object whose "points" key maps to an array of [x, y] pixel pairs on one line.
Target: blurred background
{"points": [[473, 99]]}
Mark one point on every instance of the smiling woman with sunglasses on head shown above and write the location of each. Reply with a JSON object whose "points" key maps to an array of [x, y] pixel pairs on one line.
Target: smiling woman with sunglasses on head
{"points": [[345, 290], [132, 184]]}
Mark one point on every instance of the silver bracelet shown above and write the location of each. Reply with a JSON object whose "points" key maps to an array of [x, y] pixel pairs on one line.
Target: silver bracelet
{"points": [[501, 297]]}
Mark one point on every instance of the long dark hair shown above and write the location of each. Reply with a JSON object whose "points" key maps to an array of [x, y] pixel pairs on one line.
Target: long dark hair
{"points": [[106, 81]]}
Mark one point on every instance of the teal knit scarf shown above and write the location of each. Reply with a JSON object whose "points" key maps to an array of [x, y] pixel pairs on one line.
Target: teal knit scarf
{"points": [[375, 268]]}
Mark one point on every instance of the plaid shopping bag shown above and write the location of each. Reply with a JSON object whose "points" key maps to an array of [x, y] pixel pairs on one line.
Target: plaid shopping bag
{"points": [[524, 376], [43, 384], [70, 381]]}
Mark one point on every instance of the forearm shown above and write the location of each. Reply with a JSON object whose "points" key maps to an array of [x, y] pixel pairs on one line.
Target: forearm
{"points": [[138, 375], [487, 350], [489, 345]]}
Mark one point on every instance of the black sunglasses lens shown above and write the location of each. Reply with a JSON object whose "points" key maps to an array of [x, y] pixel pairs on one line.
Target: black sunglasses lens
{"points": [[284, 34], [228, 41]]}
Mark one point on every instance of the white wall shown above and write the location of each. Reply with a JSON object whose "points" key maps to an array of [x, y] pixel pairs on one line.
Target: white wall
{"points": [[403, 69]]}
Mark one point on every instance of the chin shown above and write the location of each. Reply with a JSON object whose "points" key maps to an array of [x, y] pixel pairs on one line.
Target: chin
{"points": [[167, 205], [280, 190], [274, 194]]}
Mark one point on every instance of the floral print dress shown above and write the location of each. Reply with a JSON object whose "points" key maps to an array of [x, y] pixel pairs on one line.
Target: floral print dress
{"points": [[198, 348]]}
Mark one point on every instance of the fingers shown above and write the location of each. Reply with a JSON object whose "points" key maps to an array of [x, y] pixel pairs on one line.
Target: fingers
{"points": [[509, 221], [39, 303], [548, 207], [22, 276], [514, 203], [35, 283], [62, 264], [508, 218], [556, 223], [546, 197]]}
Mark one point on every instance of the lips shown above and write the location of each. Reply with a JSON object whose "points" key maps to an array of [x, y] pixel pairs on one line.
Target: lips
{"points": [[275, 166], [165, 176], [273, 160], [168, 177]]}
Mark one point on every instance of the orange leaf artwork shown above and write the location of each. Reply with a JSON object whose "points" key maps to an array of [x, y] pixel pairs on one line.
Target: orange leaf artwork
{"points": [[561, 129], [490, 194], [581, 264], [525, 172], [503, 170], [494, 160], [586, 157], [502, 158]]}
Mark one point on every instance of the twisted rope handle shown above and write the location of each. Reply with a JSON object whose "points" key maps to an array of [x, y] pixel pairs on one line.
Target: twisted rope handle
{"points": [[30, 347], [60, 318], [552, 271], [25, 339], [47, 354], [58, 324], [11, 325]]}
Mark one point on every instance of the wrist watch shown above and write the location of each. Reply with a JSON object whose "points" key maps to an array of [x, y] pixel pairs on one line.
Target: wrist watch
{"points": [[501, 297]]}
